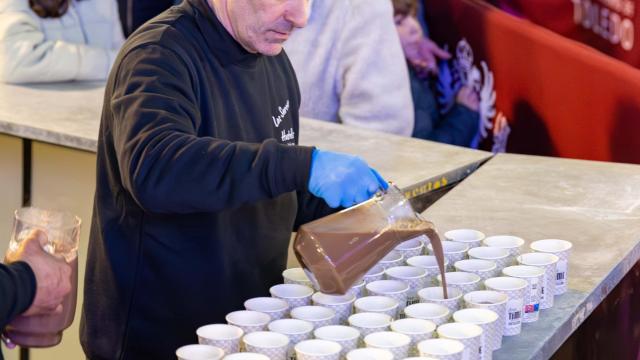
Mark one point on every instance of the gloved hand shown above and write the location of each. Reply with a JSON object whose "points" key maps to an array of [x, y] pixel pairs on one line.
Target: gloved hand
{"points": [[343, 180]]}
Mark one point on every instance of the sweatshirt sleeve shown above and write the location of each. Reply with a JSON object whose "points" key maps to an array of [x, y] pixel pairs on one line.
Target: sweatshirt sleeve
{"points": [[27, 56], [166, 166], [373, 81], [17, 290]]}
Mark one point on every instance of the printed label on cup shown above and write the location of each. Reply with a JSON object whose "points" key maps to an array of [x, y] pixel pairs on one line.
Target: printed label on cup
{"points": [[413, 300], [543, 291], [514, 313], [561, 274], [533, 307]]}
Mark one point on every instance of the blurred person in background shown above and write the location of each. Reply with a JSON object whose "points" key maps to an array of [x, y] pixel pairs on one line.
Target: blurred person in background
{"points": [[58, 40]]}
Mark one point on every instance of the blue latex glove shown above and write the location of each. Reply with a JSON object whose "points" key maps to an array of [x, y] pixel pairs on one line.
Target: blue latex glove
{"points": [[343, 180]]}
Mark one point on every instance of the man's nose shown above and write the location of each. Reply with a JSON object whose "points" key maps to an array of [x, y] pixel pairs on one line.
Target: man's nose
{"points": [[298, 13]]}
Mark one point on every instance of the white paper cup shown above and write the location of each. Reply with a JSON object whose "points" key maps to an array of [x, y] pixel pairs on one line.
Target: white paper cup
{"points": [[534, 276], [439, 314], [548, 262], [374, 274], [396, 289], [453, 251], [296, 330], [494, 301], [316, 349], [368, 323], [246, 356], [397, 343], [441, 349], [358, 289], [296, 276], [415, 277], [468, 334], [341, 304], [435, 295], [416, 329], [377, 304], [471, 237], [369, 354], [410, 248], [489, 322], [512, 243], [319, 316], [561, 249], [393, 258], [483, 268], [502, 257], [227, 337], [346, 336], [274, 307], [466, 282], [199, 352], [514, 288], [248, 321], [294, 294], [269, 343], [429, 264]]}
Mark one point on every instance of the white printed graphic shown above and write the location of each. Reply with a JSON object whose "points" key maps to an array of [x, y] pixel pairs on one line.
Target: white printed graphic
{"points": [[514, 313], [282, 112]]}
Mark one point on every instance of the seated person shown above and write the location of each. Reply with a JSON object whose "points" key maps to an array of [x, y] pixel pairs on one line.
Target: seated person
{"points": [[134, 13], [350, 66], [458, 125], [58, 40]]}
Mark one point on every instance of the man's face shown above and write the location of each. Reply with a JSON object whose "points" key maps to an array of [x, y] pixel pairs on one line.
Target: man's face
{"points": [[261, 26]]}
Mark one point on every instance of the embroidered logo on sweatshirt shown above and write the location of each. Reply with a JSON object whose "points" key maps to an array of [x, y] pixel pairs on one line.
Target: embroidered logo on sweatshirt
{"points": [[282, 112]]}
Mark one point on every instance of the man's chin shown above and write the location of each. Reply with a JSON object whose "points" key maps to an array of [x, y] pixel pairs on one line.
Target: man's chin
{"points": [[271, 49]]}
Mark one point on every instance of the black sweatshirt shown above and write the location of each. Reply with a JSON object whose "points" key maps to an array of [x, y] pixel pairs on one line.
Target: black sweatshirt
{"points": [[197, 172], [17, 290]]}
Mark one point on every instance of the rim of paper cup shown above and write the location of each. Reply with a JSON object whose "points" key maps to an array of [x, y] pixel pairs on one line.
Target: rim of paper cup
{"points": [[376, 270], [420, 272], [416, 261], [497, 241], [472, 251], [465, 247], [318, 344], [256, 339], [469, 330], [419, 245], [440, 347], [244, 314], [373, 284], [482, 316], [380, 320], [514, 271], [328, 299], [476, 278], [504, 297], [382, 339], [427, 325], [246, 356], [392, 304], [539, 244], [275, 291], [298, 274], [222, 332], [333, 333], [451, 235], [304, 326], [369, 354], [283, 304], [427, 293], [553, 259], [213, 350], [314, 309], [492, 265], [418, 310], [389, 257], [490, 283]]}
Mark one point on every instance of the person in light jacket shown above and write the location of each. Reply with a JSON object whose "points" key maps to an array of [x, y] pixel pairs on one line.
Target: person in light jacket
{"points": [[58, 40]]}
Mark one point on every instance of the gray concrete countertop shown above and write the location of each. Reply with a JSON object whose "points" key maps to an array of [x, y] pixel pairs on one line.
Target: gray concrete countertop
{"points": [[68, 114], [595, 205]]}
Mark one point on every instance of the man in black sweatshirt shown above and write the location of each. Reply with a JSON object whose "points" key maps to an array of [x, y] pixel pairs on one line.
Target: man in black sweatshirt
{"points": [[33, 282], [200, 180]]}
